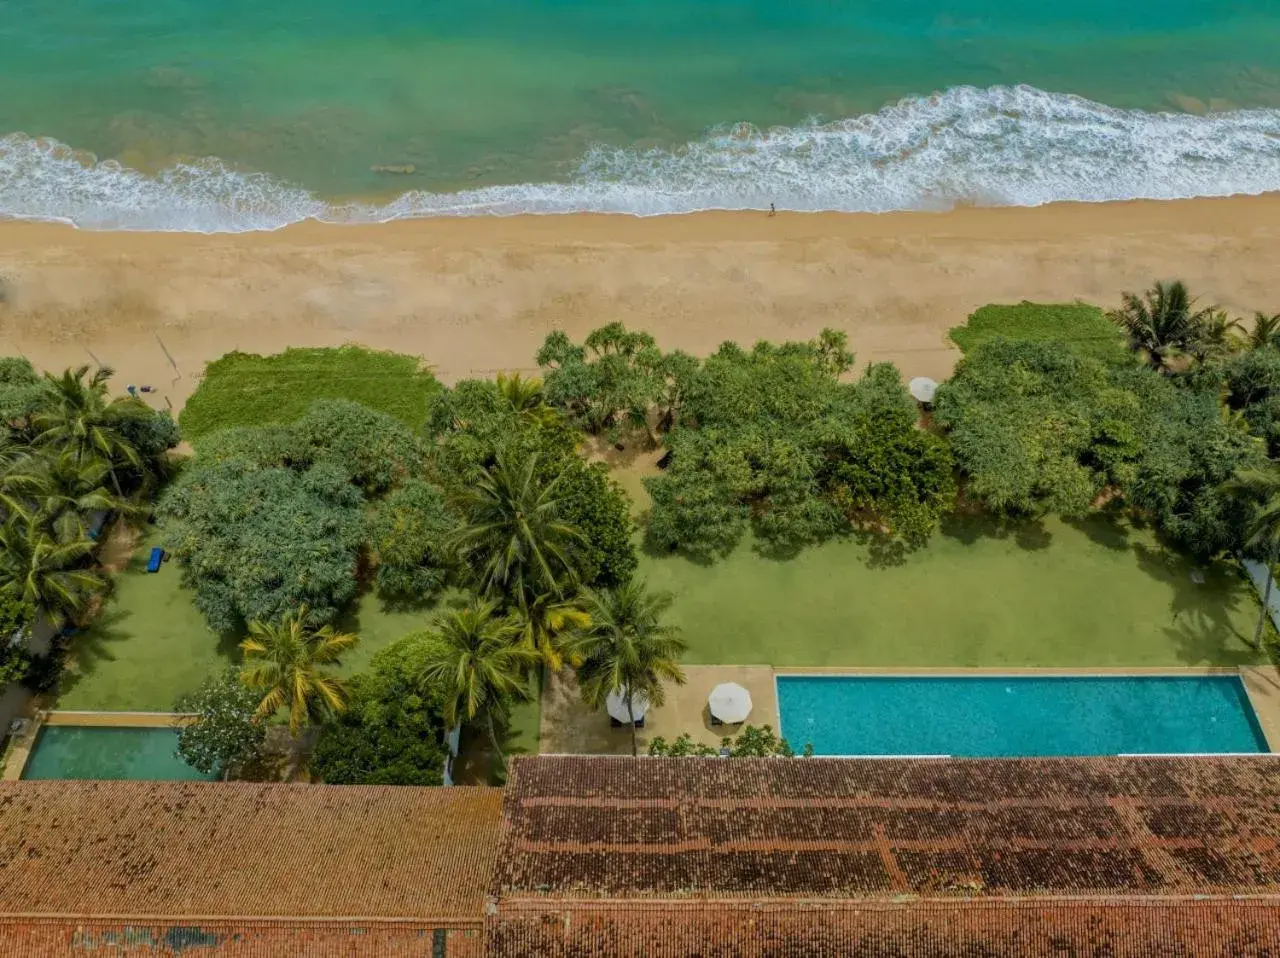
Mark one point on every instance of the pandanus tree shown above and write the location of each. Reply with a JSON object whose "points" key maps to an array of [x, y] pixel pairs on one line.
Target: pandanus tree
{"points": [[80, 419], [292, 666], [475, 660], [1163, 323], [1261, 488], [628, 648]]}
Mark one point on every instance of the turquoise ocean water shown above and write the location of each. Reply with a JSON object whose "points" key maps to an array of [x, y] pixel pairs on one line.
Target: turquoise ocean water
{"points": [[243, 114]]}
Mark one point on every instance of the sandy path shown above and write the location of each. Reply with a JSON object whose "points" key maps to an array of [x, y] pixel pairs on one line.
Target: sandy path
{"points": [[474, 296]]}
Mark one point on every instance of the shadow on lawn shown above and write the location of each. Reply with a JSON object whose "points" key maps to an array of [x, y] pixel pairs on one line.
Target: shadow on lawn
{"points": [[1202, 632], [968, 528]]}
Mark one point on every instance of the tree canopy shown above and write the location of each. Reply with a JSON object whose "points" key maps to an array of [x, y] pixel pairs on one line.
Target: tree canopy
{"points": [[771, 440]]}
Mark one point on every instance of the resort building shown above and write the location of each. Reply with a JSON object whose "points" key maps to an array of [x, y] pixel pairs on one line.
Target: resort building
{"points": [[595, 856]]}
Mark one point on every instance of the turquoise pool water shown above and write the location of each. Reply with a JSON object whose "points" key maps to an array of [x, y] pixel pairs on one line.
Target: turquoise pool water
{"points": [[1006, 716], [139, 754], [424, 107]]}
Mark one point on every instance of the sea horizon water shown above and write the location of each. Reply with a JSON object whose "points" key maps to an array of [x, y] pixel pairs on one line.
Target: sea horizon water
{"points": [[161, 116]]}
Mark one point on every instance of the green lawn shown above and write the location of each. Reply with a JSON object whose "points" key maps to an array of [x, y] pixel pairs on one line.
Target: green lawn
{"points": [[245, 389], [1085, 328], [1053, 594], [151, 644]]}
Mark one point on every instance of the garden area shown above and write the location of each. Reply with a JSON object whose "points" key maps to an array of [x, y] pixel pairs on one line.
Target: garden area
{"points": [[363, 557]]}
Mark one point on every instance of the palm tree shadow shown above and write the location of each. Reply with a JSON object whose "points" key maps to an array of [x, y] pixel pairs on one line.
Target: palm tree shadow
{"points": [[93, 645], [1203, 631]]}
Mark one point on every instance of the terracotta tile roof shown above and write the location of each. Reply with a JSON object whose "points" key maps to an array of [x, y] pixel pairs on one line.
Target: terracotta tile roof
{"points": [[605, 855], [247, 939], [164, 850]]}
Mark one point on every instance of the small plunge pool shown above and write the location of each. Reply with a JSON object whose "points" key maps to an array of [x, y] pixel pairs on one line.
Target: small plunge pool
{"points": [[94, 752]]}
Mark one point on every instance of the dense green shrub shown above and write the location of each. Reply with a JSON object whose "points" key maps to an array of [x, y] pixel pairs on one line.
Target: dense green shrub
{"points": [[1082, 328], [1037, 428], [610, 381], [225, 731], [771, 440], [390, 733], [1252, 382], [259, 543], [409, 531]]}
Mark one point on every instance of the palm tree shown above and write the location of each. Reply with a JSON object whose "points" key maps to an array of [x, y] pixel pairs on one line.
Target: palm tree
{"points": [[83, 421], [1261, 487], [1265, 332], [526, 397], [1218, 337], [64, 490], [292, 664], [627, 646], [513, 532], [1162, 323], [47, 574], [546, 621], [475, 658]]}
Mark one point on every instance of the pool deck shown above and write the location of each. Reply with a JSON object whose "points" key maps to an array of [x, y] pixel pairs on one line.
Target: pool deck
{"points": [[19, 751], [569, 727]]}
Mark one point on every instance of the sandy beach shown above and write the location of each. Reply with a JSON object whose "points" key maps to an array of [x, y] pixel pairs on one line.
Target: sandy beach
{"points": [[473, 296]]}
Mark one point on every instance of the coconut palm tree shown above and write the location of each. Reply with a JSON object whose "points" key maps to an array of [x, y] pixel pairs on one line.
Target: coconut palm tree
{"points": [[513, 534], [1163, 323], [1265, 331], [525, 395], [475, 659], [62, 491], [47, 574], [293, 666], [1219, 336], [1261, 488], [547, 623], [628, 647], [83, 421]]}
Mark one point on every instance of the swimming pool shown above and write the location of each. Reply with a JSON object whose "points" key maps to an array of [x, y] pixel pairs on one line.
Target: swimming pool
{"points": [[78, 751], [1008, 716]]}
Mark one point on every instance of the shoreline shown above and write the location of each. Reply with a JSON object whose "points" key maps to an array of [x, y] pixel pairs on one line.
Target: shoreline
{"points": [[474, 295]]}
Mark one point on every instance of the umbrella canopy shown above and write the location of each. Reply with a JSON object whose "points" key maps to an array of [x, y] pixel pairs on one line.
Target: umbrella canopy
{"points": [[730, 703], [616, 705], [922, 388]]}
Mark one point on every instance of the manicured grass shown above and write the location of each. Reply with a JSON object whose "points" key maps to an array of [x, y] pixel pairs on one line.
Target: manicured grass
{"points": [[1051, 594], [245, 389], [1084, 328], [150, 645]]}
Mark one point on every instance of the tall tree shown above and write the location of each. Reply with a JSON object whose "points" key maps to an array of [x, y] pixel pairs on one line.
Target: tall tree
{"points": [[627, 647], [1265, 331], [64, 490], [513, 532], [1261, 488], [47, 574], [475, 661], [292, 665], [81, 419], [1163, 323]]}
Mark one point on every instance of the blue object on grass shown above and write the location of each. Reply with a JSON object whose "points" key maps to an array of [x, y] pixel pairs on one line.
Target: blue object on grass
{"points": [[157, 556], [1018, 715]]}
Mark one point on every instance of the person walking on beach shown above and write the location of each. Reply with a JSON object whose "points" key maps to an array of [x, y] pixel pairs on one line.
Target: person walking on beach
{"points": [[773, 210]]}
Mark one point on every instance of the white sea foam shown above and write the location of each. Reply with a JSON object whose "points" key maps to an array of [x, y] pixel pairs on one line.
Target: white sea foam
{"points": [[1005, 146]]}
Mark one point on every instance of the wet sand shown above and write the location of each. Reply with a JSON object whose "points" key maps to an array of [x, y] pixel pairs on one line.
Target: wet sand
{"points": [[474, 296]]}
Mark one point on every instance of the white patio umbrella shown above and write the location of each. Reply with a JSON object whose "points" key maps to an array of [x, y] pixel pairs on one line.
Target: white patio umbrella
{"points": [[922, 389], [730, 703], [616, 706]]}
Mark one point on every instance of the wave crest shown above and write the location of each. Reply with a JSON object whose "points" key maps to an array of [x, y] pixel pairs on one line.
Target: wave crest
{"points": [[1004, 146]]}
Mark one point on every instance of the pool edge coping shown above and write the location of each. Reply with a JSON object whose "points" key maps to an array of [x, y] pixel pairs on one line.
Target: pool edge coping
{"points": [[1264, 703], [18, 754]]}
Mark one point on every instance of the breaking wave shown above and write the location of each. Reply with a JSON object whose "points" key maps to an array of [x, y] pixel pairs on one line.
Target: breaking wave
{"points": [[1004, 146]]}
